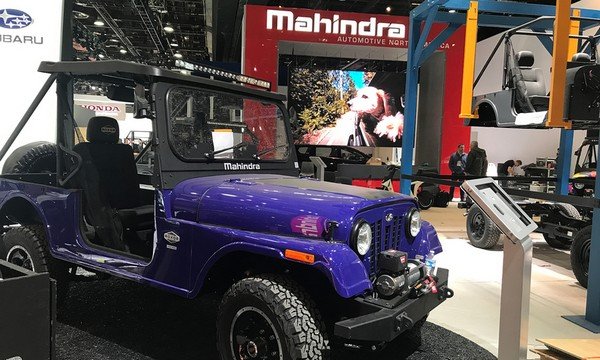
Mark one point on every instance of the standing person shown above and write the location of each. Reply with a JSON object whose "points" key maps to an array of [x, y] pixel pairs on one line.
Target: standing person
{"points": [[457, 167], [476, 161]]}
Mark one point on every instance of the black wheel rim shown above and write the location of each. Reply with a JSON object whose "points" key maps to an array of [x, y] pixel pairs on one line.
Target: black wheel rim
{"points": [[253, 336], [19, 256], [584, 256], [477, 226]]}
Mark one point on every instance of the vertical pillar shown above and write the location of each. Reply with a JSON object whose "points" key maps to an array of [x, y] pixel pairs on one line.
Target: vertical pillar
{"points": [[410, 112], [469, 61], [562, 27], [563, 165]]}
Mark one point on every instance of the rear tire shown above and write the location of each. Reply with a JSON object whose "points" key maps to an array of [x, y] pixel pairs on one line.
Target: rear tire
{"points": [[26, 246], [482, 232], [580, 255], [270, 315], [36, 157]]}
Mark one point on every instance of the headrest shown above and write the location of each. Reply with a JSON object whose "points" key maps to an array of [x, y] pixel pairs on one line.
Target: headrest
{"points": [[103, 129], [581, 57], [525, 58]]}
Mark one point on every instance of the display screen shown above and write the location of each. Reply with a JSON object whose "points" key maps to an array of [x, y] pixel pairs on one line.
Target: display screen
{"points": [[356, 108]]}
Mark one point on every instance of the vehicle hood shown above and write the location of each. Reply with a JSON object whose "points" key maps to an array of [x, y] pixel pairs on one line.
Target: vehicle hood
{"points": [[276, 204]]}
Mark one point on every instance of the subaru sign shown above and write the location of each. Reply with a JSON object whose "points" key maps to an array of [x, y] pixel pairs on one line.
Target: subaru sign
{"points": [[14, 19]]}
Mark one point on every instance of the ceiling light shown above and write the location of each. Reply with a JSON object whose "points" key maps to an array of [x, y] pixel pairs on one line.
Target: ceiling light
{"points": [[388, 9], [168, 28], [452, 11], [174, 44], [79, 15], [177, 55], [114, 40], [99, 22], [186, 38], [122, 51], [101, 56]]}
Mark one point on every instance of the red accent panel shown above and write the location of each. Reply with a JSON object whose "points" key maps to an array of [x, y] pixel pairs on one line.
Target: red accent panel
{"points": [[375, 183], [261, 55]]}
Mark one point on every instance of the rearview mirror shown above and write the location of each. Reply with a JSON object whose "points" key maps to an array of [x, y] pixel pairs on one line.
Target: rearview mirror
{"points": [[120, 93]]}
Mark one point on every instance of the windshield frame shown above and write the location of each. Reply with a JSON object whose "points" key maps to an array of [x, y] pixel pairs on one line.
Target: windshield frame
{"points": [[279, 105]]}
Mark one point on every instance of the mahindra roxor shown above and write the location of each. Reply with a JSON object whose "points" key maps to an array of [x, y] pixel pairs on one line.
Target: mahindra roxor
{"points": [[302, 264]]}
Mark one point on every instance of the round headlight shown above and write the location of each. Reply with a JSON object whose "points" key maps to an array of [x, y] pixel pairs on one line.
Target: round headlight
{"points": [[414, 223], [579, 185], [362, 238]]}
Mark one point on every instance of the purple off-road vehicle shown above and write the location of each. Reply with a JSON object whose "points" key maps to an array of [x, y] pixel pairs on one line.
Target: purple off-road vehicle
{"points": [[302, 264]]}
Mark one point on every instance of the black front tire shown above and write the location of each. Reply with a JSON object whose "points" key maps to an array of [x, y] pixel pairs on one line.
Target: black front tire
{"points": [[482, 232], [580, 255], [26, 246], [291, 321]]}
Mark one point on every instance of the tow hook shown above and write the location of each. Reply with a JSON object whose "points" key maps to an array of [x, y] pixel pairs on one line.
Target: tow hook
{"points": [[445, 292]]}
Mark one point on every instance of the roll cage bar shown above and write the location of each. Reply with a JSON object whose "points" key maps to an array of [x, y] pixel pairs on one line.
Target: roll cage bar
{"points": [[518, 30]]}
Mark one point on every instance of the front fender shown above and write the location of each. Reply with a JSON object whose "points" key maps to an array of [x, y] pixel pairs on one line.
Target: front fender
{"points": [[340, 265]]}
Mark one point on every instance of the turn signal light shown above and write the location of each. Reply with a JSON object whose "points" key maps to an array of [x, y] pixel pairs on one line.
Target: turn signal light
{"points": [[299, 256]]}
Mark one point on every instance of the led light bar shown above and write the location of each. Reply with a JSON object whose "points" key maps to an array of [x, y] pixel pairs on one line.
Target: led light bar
{"points": [[222, 73]]}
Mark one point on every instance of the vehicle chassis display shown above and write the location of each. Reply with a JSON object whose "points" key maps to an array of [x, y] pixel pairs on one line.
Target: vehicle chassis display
{"points": [[301, 264]]}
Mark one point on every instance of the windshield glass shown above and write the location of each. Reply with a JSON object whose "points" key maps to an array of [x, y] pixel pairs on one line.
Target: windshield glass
{"points": [[208, 126]]}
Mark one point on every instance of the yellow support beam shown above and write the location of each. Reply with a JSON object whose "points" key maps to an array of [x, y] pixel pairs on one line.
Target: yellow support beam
{"points": [[466, 102], [575, 25], [560, 53]]}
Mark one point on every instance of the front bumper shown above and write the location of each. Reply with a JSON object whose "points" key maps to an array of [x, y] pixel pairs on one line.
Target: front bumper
{"points": [[383, 324]]}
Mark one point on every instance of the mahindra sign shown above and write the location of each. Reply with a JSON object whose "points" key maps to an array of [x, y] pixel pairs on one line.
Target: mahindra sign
{"points": [[336, 24]]}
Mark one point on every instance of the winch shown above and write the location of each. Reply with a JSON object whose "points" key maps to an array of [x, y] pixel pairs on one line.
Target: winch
{"points": [[397, 272]]}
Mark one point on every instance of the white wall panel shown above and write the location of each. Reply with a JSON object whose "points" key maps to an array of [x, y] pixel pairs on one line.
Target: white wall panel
{"points": [[24, 42]]}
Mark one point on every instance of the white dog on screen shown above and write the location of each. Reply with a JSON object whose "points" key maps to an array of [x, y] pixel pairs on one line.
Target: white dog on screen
{"points": [[370, 101]]}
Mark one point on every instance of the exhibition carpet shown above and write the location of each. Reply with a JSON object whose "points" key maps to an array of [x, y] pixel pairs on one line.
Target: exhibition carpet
{"points": [[117, 319]]}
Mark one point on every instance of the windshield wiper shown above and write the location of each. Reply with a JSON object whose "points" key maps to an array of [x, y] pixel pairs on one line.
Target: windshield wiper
{"points": [[211, 154], [266, 151]]}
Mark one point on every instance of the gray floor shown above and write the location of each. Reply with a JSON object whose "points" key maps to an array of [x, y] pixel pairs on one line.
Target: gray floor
{"points": [[475, 275]]}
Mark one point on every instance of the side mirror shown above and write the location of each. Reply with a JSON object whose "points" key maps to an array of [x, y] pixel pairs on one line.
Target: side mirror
{"points": [[141, 106]]}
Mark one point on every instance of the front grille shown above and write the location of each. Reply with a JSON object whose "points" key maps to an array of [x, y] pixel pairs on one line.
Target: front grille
{"points": [[386, 235]]}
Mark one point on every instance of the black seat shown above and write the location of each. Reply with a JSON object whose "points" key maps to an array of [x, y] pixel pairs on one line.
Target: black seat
{"points": [[108, 178], [534, 81]]}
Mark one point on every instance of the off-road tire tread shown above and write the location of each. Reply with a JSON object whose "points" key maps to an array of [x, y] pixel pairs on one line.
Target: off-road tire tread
{"points": [[582, 236], [491, 235], [569, 210], [24, 158], [55, 268], [295, 311]]}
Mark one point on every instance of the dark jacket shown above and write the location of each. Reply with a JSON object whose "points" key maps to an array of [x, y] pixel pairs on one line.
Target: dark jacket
{"points": [[476, 162], [456, 163], [503, 168]]}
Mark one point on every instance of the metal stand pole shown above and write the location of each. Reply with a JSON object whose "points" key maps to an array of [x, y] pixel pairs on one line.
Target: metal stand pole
{"points": [[514, 303]]}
